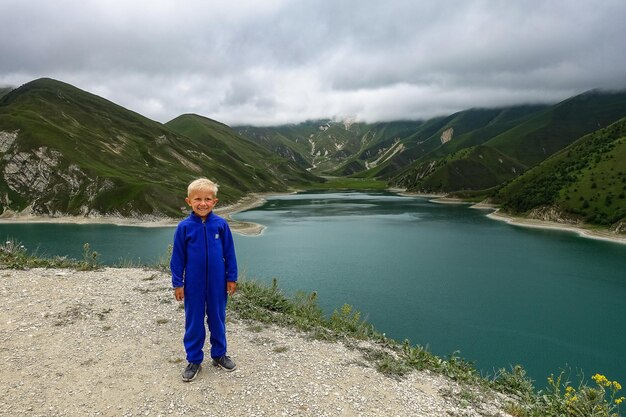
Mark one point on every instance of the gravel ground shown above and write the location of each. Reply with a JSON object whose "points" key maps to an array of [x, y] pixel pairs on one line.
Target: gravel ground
{"points": [[109, 343]]}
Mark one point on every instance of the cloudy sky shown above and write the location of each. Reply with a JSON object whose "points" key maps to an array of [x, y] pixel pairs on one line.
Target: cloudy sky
{"points": [[277, 61]]}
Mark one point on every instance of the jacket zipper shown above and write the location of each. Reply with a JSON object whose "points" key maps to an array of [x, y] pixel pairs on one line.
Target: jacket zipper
{"points": [[206, 256]]}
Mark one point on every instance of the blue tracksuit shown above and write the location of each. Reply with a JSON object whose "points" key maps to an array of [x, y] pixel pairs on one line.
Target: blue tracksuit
{"points": [[203, 259]]}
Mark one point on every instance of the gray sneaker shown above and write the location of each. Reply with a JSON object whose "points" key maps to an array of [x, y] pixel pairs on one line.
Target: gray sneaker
{"points": [[225, 362], [191, 371]]}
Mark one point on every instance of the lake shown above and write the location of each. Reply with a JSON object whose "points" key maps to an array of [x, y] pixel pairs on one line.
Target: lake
{"points": [[442, 276]]}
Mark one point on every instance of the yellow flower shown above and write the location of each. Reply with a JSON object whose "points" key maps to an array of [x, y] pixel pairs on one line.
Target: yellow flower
{"points": [[601, 380], [619, 400], [617, 386]]}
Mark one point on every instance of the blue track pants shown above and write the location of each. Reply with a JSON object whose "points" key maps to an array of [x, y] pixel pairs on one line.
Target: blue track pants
{"points": [[197, 307]]}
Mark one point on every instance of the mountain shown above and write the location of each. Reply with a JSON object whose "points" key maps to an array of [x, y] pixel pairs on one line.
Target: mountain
{"points": [[239, 161], [475, 149], [472, 153], [521, 144], [66, 151], [385, 150], [477, 167], [585, 182], [327, 146], [446, 137], [560, 125]]}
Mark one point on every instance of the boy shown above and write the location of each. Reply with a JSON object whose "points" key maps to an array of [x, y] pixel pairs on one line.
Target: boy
{"points": [[204, 272]]}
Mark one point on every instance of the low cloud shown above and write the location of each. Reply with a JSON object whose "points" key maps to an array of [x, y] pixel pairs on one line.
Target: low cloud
{"points": [[273, 62]]}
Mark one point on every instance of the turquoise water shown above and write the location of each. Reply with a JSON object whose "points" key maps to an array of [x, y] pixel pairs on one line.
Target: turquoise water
{"points": [[451, 278], [443, 276], [114, 244]]}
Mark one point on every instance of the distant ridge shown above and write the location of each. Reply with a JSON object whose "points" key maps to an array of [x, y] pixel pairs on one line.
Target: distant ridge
{"points": [[485, 147]]}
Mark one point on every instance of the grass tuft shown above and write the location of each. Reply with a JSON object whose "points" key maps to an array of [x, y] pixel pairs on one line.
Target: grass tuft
{"points": [[14, 255]]}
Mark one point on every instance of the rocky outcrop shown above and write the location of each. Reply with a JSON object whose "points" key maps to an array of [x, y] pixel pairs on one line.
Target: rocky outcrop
{"points": [[413, 179], [557, 215], [6, 140], [619, 227], [30, 172], [348, 122], [446, 135], [553, 214], [384, 154], [45, 181]]}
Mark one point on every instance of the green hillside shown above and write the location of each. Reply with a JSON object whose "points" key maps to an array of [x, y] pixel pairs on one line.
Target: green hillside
{"points": [[296, 150], [384, 150], [380, 143], [391, 146], [495, 122], [558, 126], [66, 151], [465, 129], [522, 136], [475, 168], [318, 145], [330, 147], [230, 151], [584, 182]]}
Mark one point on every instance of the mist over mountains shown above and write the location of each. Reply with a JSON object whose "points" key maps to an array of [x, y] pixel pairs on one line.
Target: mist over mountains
{"points": [[65, 151]]}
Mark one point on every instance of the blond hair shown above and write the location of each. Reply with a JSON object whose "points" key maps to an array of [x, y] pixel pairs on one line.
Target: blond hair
{"points": [[202, 184]]}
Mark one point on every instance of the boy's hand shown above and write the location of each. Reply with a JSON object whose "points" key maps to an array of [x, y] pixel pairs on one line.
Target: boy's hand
{"points": [[179, 293], [231, 287]]}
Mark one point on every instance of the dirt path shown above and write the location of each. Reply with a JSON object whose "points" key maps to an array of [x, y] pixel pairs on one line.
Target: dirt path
{"points": [[110, 343]]}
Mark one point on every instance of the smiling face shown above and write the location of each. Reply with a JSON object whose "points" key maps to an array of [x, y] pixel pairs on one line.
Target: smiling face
{"points": [[202, 201]]}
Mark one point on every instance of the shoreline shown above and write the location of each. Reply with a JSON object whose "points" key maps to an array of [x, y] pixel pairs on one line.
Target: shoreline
{"points": [[544, 224], [604, 235], [434, 196], [247, 202], [114, 220], [253, 200], [250, 201], [449, 200]]}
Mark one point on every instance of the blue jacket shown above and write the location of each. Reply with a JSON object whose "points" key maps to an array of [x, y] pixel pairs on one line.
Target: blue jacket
{"points": [[203, 256]]}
